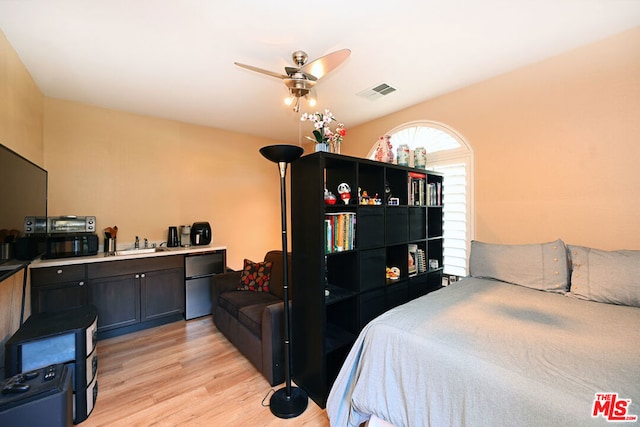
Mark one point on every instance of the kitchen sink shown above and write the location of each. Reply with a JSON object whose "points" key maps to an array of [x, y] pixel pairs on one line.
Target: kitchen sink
{"points": [[139, 251]]}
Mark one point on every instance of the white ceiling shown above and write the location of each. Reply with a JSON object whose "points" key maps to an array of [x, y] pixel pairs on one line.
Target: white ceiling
{"points": [[174, 59]]}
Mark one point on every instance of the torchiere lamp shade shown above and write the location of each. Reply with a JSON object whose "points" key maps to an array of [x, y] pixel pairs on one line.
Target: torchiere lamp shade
{"points": [[281, 153]]}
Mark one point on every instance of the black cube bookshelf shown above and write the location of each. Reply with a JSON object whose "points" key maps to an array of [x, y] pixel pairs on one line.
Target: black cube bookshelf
{"points": [[336, 293]]}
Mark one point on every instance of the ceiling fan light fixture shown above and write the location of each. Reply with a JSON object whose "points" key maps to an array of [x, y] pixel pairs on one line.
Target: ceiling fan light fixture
{"points": [[312, 98], [288, 100], [295, 95], [293, 99]]}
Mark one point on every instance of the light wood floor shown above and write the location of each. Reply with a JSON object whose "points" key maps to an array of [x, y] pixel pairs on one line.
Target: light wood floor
{"points": [[183, 374]]}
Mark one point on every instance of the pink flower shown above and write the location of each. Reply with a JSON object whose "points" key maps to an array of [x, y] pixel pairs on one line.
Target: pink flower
{"points": [[323, 133]]}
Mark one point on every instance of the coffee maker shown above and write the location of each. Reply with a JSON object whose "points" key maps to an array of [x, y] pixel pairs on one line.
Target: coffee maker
{"points": [[185, 235]]}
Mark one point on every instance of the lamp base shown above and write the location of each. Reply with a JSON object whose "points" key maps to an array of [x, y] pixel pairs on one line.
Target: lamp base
{"points": [[288, 407]]}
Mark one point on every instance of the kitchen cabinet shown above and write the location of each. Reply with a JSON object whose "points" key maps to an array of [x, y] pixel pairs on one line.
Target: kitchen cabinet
{"points": [[117, 299], [58, 288], [136, 294], [162, 293]]}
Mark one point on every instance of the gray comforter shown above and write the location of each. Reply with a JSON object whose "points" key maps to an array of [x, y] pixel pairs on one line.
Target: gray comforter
{"points": [[488, 353]]}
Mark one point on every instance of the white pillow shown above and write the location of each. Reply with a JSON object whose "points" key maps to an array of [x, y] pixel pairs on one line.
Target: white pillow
{"points": [[605, 276], [541, 266]]}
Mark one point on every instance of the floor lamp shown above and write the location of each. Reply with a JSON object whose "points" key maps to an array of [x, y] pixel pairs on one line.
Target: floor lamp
{"points": [[288, 402]]}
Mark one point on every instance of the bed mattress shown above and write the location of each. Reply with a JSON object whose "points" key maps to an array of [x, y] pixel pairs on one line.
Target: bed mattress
{"points": [[488, 353]]}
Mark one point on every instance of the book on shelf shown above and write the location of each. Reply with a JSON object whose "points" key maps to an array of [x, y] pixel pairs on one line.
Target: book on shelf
{"points": [[422, 264], [416, 188], [340, 231], [434, 194], [413, 260]]}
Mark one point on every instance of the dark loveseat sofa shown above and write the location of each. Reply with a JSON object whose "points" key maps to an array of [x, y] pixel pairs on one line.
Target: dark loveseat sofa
{"points": [[254, 321]]}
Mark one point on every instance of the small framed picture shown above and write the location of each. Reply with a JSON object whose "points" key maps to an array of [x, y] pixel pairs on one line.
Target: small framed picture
{"points": [[433, 264], [453, 279], [445, 281], [394, 201]]}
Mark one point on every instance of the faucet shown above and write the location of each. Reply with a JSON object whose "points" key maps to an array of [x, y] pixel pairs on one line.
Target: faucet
{"points": [[137, 243]]}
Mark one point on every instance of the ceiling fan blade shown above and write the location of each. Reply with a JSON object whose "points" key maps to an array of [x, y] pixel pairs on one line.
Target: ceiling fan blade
{"points": [[262, 71], [323, 65]]}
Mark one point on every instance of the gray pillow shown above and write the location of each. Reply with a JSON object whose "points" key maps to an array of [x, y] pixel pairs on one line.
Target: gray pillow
{"points": [[541, 266], [605, 276]]}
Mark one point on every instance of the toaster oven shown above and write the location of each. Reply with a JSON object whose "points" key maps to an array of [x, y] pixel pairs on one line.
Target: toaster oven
{"points": [[59, 224], [71, 224]]}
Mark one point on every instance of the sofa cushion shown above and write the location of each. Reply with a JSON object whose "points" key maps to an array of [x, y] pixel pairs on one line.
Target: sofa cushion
{"points": [[276, 287], [251, 317], [233, 301], [255, 276]]}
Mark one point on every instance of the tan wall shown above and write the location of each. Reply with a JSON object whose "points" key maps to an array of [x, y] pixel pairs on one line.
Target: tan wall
{"points": [[20, 106], [140, 173], [145, 174], [556, 145]]}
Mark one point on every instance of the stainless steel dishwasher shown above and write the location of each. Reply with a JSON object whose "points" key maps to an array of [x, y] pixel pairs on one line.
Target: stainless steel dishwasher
{"points": [[199, 268]]}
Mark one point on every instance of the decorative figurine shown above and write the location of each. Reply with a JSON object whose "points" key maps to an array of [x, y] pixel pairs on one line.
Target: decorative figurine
{"points": [[387, 192], [364, 199], [392, 273], [345, 192], [329, 197]]}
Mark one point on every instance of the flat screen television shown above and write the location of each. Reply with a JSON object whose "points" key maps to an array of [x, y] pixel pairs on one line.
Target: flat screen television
{"points": [[23, 192]]}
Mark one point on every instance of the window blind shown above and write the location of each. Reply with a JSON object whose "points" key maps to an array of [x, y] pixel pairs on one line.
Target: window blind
{"points": [[454, 190]]}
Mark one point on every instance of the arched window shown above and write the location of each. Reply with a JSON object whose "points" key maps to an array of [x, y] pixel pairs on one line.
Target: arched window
{"points": [[448, 153]]}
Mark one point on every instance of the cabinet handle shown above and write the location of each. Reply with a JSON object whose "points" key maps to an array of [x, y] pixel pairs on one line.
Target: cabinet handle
{"points": [[59, 271], [137, 276], [143, 275], [81, 283]]}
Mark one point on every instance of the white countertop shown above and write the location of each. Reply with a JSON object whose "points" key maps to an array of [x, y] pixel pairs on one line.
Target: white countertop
{"points": [[101, 257]]}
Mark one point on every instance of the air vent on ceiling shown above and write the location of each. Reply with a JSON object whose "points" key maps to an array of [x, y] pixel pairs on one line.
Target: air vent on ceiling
{"points": [[377, 91]]}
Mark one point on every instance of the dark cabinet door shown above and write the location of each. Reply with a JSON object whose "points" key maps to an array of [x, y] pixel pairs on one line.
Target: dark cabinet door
{"points": [[58, 296], [162, 293], [58, 288], [117, 299]]}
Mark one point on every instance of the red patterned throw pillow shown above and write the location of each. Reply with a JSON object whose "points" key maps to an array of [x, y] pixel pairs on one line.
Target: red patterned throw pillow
{"points": [[255, 276]]}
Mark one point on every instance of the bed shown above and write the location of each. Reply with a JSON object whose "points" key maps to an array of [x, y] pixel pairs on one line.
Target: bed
{"points": [[511, 345]]}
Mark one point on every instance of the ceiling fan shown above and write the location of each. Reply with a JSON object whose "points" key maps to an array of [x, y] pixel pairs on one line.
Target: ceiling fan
{"points": [[301, 79]]}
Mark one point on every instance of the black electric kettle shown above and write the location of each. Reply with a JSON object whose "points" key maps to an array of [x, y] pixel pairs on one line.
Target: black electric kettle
{"points": [[172, 240]]}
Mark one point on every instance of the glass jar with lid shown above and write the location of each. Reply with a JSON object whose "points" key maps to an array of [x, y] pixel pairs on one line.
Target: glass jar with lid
{"points": [[420, 158], [403, 155]]}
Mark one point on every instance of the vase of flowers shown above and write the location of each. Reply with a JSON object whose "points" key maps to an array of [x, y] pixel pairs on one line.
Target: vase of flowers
{"points": [[321, 146], [324, 137]]}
